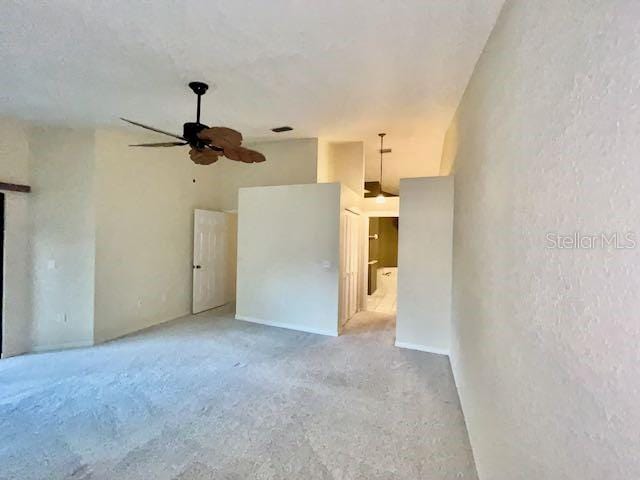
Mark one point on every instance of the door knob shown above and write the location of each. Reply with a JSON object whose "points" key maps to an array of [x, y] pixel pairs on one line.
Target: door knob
{"points": [[197, 266]]}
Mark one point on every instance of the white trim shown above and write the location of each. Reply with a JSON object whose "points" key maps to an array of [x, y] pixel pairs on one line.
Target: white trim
{"points": [[422, 348], [62, 346], [289, 326]]}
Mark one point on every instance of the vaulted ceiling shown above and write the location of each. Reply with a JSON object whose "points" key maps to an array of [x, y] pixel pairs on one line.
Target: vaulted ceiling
{"points": [[339, 69]]}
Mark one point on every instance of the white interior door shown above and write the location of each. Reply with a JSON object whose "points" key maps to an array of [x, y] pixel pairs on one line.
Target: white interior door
{"points": [[354, 244], [213, 254], [350, 255]]}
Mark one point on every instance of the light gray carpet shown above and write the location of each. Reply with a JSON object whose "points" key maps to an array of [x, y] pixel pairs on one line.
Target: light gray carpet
{"points": [[209, 397]]}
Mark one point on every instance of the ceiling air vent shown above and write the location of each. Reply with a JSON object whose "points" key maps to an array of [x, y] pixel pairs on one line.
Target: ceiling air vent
{"points": [[281, 129]]}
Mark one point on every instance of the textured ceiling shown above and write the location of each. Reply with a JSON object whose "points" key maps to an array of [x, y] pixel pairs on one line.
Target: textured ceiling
{"points": [[344, 70]]}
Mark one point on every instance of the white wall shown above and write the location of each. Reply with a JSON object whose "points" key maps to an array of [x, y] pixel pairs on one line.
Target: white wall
{"points": [[425, 244], [546, 340], [62, 237], [14, 168], [288, 256]]}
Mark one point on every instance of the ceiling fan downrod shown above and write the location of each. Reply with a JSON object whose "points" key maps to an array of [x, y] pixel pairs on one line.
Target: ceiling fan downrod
{"points": [[199, 88]]}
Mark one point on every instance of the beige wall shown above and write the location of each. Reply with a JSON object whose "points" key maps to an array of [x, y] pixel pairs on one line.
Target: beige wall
{"points": [[62, 237], [342, 162], [323, 161], [288, 256], [144, 238], [103, 245], [414, 152], [14, 168], [450, 148], [425, 264], [546, 339], [289, 162], [14, 151], [145, 202]]}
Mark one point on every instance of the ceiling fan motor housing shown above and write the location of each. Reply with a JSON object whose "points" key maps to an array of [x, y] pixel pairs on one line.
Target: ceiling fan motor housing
{"points": [[190, 132]]}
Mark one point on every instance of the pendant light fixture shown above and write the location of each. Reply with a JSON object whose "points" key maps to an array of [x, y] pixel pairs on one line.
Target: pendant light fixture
{"points": [[380, 198]]}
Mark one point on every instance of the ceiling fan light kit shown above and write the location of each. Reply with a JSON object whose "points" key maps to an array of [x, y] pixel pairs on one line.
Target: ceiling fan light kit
{"points": [[207, 144]]}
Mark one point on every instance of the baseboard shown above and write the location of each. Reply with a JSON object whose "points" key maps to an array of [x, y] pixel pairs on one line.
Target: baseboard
{"points": [[61, 346], [289, 326], [422, 348], [140, 329]]}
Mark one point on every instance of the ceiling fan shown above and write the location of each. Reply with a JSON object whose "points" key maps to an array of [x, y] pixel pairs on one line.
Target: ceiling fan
{"points": [[207, 144]]}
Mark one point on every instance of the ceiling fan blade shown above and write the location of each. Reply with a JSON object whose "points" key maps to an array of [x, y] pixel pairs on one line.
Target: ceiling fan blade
{"points": [[215, 148], [160, 144], [256, 157], [153, 129], [222, 136], [241, 154], [232, 154], [203, 157]]}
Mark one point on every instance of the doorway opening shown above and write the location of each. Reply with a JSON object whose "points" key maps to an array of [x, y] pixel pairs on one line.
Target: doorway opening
{"points": [[382, 283], [1, 269], [377, 313]]}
